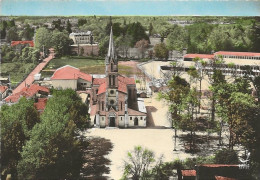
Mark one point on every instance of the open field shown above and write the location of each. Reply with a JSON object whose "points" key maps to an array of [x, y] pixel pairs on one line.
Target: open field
{"points": [[90, 66]]}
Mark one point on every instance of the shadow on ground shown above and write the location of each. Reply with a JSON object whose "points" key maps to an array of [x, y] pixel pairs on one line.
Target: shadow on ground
{"points": [[150, 120], [95, 163], [202, 144]]}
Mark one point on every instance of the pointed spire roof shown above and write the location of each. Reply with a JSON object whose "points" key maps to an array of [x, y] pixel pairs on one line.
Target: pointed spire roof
{"points": [[111, 47]]}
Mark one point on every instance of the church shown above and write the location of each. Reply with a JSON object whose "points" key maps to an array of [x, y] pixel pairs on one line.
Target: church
{"points": [[114, 101]]}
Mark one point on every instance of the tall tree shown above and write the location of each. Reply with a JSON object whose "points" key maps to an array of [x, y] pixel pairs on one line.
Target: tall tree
{"points": [[142, 45], [161, 51], [16, 124]]}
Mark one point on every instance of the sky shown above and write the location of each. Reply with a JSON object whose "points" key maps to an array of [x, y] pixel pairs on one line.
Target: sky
{"points": [[130, 7]]}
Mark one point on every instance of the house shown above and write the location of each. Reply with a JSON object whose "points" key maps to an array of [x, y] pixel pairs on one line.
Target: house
{"points": [[19, 45], [220, 171], [33, 91], [82, 37], [71, 77], [114, 98], [188, 174], [40, 104], [3, 92]]}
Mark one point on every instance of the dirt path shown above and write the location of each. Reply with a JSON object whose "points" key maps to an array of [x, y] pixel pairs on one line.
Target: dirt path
{"points": [[30, 78]]}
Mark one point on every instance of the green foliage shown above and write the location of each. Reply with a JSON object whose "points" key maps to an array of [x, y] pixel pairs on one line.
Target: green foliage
{"points": [[137, 32], [226, 156], [27, 33], [138, 163], [53, 150], [161, 51], [16, 124], [12, 34], [42, 38], [177, 39], [60, 41]]}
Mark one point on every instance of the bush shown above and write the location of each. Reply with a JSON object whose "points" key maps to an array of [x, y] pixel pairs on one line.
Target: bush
{"points": [[226, 156]]}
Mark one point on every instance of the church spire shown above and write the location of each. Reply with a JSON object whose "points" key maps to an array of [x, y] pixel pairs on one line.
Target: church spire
{"points": [[111, 48]]}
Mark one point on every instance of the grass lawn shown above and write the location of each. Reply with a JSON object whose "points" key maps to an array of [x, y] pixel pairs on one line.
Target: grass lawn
{"points": [[91, 66]]}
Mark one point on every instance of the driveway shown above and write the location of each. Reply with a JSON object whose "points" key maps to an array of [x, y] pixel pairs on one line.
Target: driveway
{"points": [[30, 78]]}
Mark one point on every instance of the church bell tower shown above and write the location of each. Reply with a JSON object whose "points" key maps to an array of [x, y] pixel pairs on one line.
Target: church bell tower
{"points": [[111, 76]]}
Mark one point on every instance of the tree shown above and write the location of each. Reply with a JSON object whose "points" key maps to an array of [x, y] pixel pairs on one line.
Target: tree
{"points": [[178, 90], [60, 42], [43, 39], [177, 39], [123, 44], [226, 156], [161, 51], [142, 45], [54, 148], [57, 25], [12, 34], [137, 31], [16, 123], [68, 27], [28, 33], [138, 163]]}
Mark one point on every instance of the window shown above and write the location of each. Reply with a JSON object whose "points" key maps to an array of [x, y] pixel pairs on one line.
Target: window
{"points": [[112, 101], [109, 80], [114, 80], [121, 118], [112, 92], [102, 105], [121, 105], [141, 118], [130, 118], [96, 91], [102, 118]]}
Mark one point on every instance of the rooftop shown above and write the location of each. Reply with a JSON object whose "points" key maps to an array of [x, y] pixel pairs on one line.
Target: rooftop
{"points": [[70, 72], [3, 89], [14, 43], [237, 53], [189, 172]]}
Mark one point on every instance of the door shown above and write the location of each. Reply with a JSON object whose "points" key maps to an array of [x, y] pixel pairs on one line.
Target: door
{"points": [[136, 121], [112, 122]]}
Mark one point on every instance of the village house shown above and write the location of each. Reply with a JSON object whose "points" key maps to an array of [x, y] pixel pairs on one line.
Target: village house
{"points": [[19, 45], [84, 44], [70, 77], [3, 92], [34, 91]]}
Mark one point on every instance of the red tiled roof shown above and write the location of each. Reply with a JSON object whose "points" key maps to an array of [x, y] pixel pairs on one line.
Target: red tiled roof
{"points": [[219, 165], [69, 72], [126, 80], [132, 112], [224, 178], [102, 88], [98, 81], [40, 105], [188, 172], [208, 56], [27, 92], [122, 87], [14, 43], [3, 88], [237, 53]]}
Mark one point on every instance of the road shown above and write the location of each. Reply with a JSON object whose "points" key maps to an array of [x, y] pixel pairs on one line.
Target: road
{"points": [[30, 78]]}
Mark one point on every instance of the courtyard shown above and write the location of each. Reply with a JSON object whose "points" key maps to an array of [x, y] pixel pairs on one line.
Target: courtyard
{"points": [[157, 136]]}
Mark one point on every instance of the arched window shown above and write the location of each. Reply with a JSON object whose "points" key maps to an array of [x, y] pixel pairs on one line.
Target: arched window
{"points": [[109, 80], [114, 80]]}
